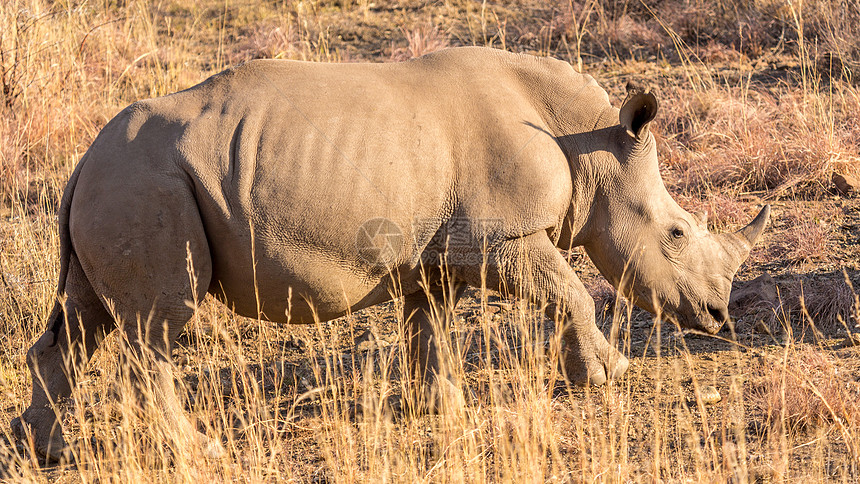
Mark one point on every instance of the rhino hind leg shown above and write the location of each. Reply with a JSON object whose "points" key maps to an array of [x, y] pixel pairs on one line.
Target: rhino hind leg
{"points": [[75, 330], [150, 265], [531, 268], [425, 315]]}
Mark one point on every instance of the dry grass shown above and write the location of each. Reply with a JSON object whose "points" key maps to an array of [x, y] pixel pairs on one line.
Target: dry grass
{"points": [[828, 303], [809, 388], [725, 211], [423, 39], [282, 400], [807, 235], [749, 140]]}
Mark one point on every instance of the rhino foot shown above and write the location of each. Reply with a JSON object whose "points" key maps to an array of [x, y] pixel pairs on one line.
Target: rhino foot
{"points": [[211, 448], [590, 360], [42, 428]]}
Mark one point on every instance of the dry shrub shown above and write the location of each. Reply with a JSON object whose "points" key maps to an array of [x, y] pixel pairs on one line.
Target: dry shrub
{"points": [[264, 41], [748, 140], [823, 30], [421, 40], [591, 29], [805, 241], [639, 29], [628, 35], [751, 28], [63, 70], [807, 237], [836, 30], [827, 301], [717, 53], [806, 387], [12, 151]]}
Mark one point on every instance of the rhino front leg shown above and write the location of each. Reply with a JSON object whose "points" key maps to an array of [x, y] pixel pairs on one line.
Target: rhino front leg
{"points": [[532, 268], [425, 314]]}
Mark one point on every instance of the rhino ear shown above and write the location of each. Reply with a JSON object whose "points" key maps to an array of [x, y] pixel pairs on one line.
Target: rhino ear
{"points": [[638, 110]]}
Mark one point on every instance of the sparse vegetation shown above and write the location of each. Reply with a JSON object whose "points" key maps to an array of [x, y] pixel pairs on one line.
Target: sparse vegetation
{"points": [[759, 102], [805, 390]]}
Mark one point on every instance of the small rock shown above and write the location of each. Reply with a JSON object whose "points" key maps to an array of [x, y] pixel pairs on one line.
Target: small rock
{"points": [[365, 346], [710, 395], [753, 303], [845, 184], [368, 341]]}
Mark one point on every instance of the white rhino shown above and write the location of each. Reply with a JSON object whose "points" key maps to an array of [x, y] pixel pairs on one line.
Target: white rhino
{"points": [[328, 187]]}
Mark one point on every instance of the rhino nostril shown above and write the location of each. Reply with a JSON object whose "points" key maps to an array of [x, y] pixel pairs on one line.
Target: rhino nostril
{"points": [[719, 313]]}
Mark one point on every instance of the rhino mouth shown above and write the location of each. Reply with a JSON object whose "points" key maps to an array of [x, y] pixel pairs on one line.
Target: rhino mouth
{"points": [[709, 318], [706, 317], [719, 315]]}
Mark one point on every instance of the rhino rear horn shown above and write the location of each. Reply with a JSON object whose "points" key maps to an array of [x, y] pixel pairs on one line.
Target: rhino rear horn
{"points": [[751, 232], [637, 111]]}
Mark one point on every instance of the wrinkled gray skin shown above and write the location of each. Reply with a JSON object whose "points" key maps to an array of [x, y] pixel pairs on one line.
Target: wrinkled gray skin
{"points": [[509, 153]]}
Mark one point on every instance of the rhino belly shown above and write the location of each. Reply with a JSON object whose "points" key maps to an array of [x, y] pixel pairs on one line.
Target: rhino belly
{"points": [[296, 286]]}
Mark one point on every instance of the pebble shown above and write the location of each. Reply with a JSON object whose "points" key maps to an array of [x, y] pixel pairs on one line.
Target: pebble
{"points": [[710, 395]]}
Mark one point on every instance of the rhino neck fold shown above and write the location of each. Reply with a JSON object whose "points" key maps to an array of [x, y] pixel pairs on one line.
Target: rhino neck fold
{"points": [[577, 113], [586, 145]]}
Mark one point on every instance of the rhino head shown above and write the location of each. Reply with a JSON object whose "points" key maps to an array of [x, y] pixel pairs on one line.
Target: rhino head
{"points": [[653, 251]]}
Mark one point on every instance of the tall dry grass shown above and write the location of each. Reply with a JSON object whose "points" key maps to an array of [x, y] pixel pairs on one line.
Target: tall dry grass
{"points": [[308, 404]]}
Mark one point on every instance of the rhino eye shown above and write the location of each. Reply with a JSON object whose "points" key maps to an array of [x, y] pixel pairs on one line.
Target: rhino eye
{"points": [[677, 232]]}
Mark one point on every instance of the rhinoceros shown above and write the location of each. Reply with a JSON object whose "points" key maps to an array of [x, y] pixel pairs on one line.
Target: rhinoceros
{"points": [[300, 192]]}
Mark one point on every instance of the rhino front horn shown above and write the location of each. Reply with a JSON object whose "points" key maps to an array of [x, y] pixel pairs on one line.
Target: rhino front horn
{"points": [[751, 232]]}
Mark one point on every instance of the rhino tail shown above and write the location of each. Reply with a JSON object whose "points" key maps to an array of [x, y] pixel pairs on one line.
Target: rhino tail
{"points": [[57, 317]]}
